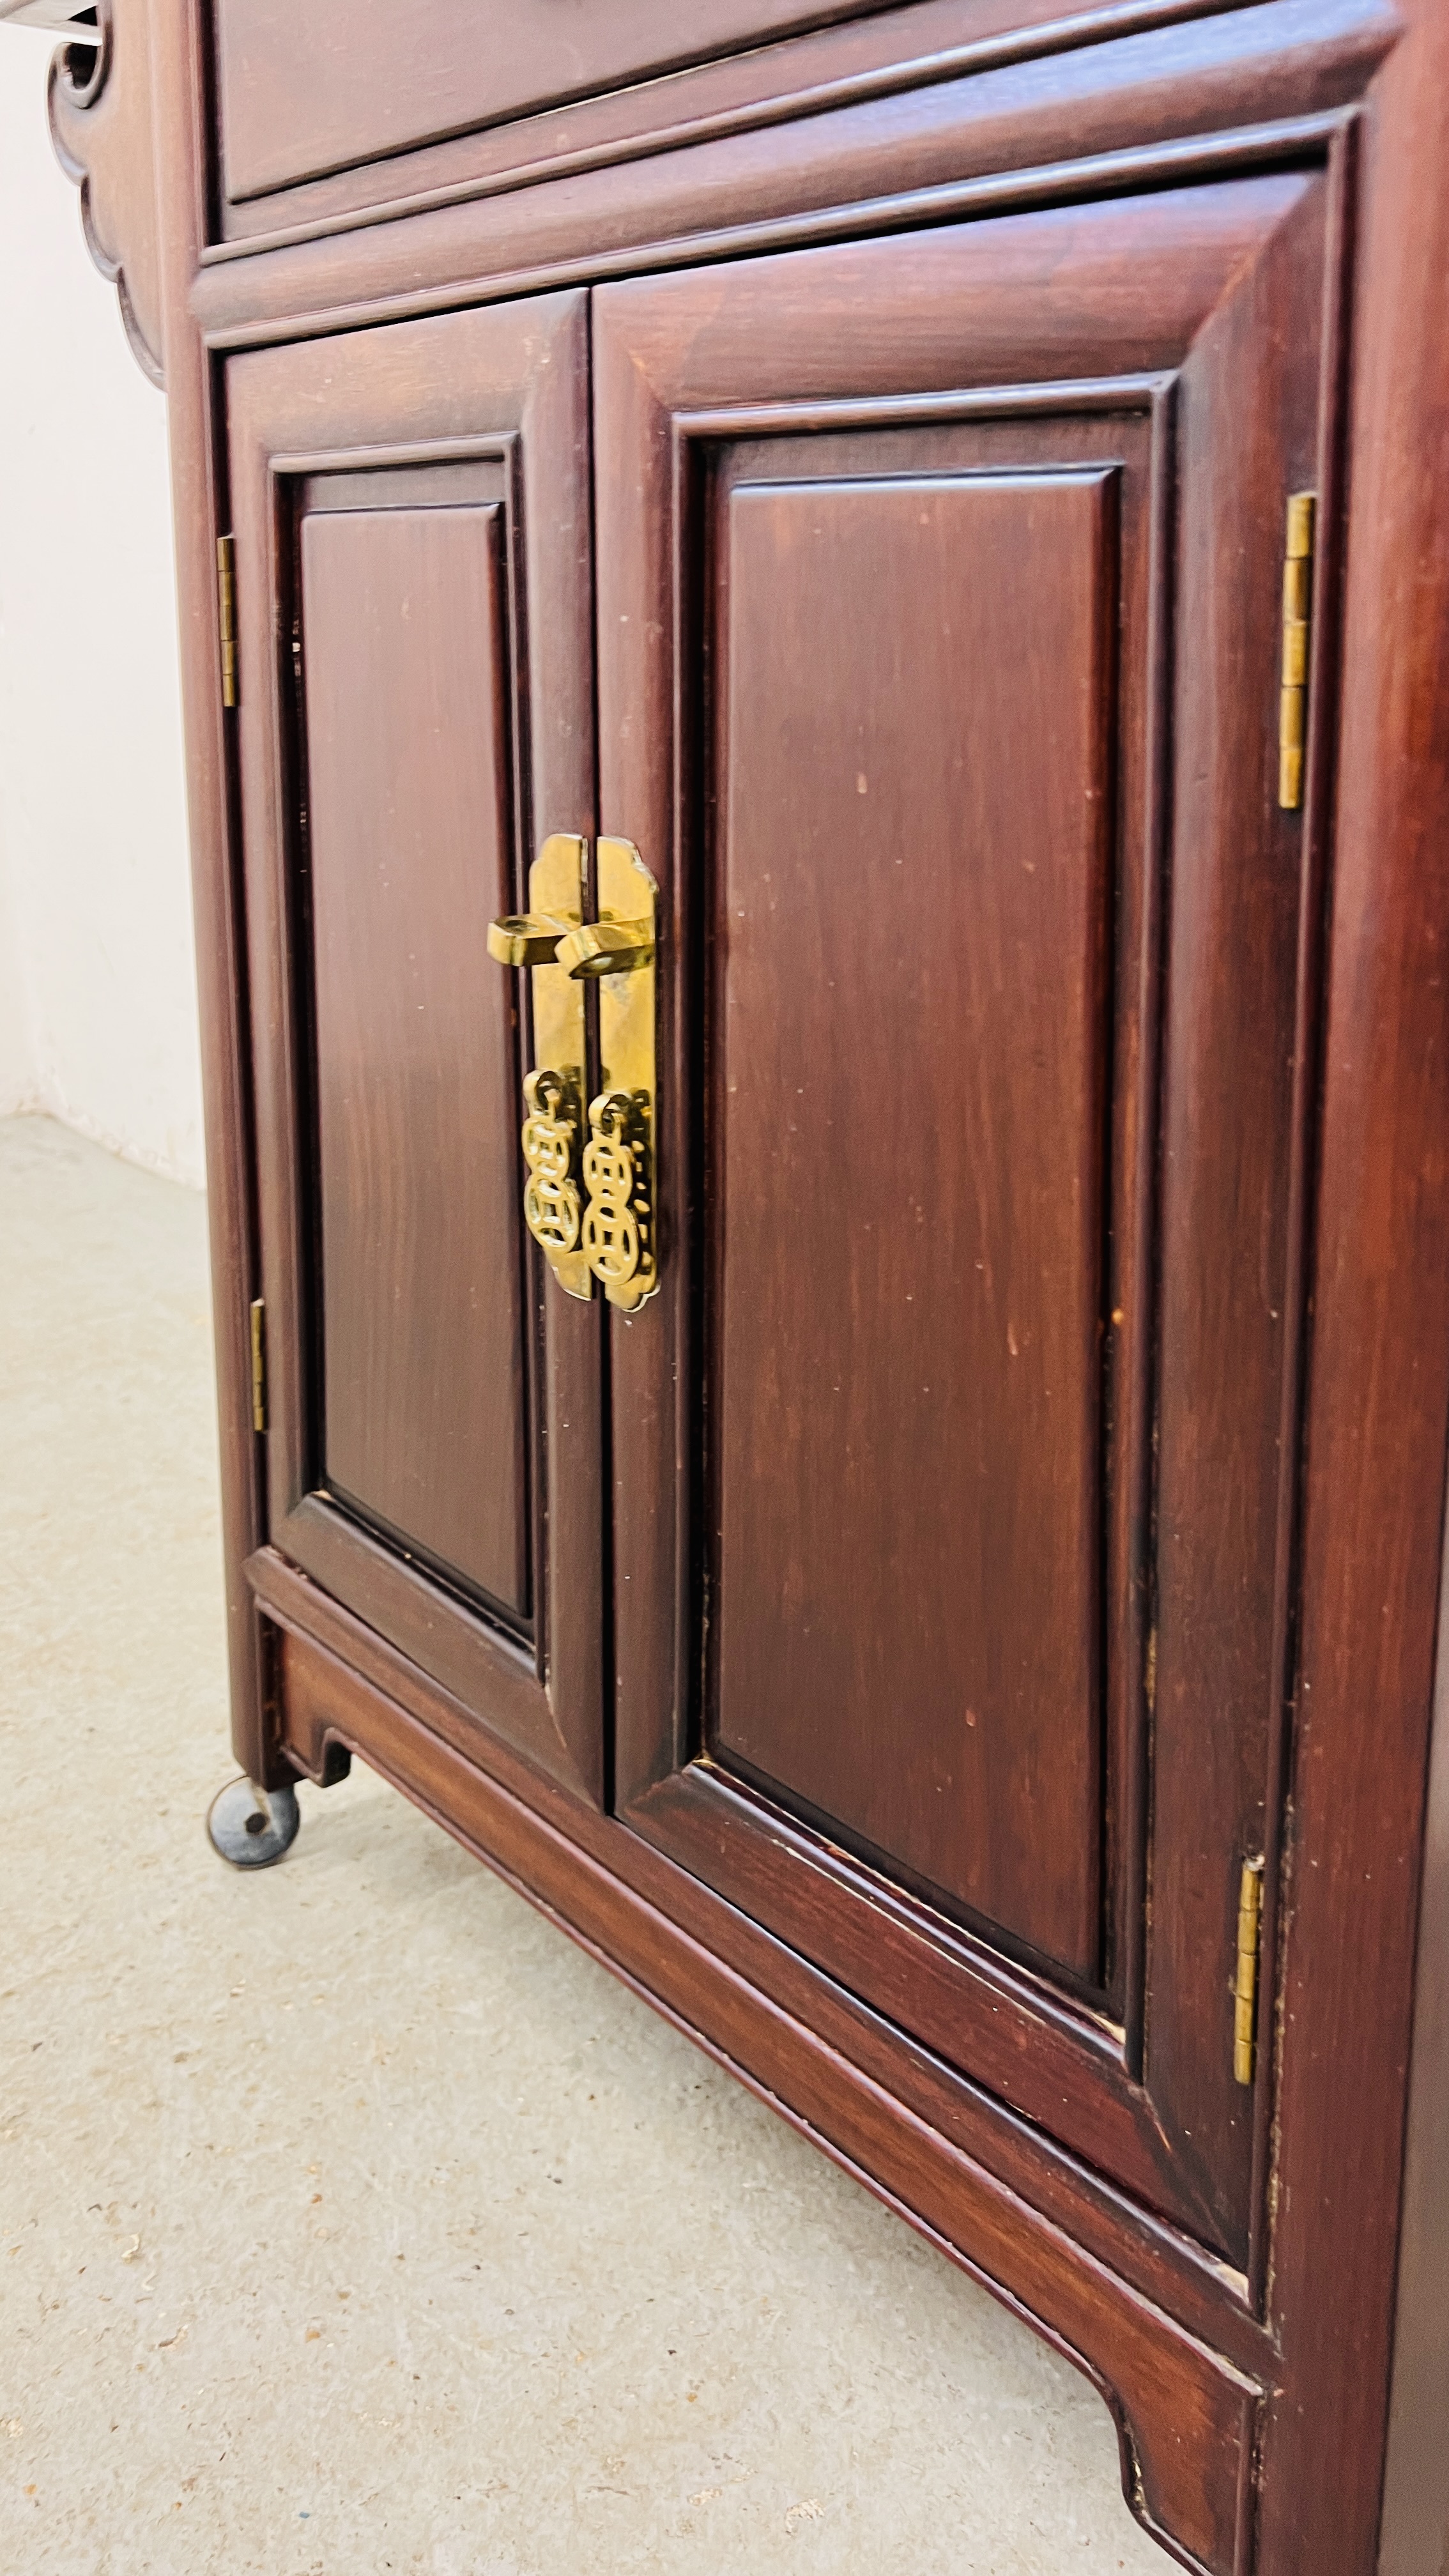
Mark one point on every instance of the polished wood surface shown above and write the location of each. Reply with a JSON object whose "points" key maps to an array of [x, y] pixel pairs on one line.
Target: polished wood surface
{"points": [[977, 89], [300, 95], [409, 855], [910, 935], [1086, 110], [1230, 293], [1376, 1419], [435, 480], [1138, 341]]}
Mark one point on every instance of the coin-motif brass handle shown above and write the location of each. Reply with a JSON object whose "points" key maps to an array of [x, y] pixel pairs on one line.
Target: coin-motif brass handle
{"points": [[614, 1237], [554, 1091], [551, 1206], [618, 1227]]}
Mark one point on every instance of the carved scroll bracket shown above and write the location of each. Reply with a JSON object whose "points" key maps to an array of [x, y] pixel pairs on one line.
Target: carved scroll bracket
{"points": [[101, 126]]}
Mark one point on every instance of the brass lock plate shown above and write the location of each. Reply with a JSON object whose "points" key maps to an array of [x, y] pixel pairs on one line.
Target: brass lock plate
{"points": [[621, 1232], [556, 1088]]}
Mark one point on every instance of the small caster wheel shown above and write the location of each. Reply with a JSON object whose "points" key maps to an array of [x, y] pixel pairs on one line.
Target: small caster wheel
{"points": [[253, 1827]]}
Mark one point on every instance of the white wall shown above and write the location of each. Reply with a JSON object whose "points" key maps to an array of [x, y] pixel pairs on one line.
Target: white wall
{"points": [[97, 981]]}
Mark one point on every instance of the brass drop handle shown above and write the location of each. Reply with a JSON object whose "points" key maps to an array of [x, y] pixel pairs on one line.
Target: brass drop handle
{"points": [[525, 938], [599, 948], [611, 1236], [620, 1238], [554, 1092]]}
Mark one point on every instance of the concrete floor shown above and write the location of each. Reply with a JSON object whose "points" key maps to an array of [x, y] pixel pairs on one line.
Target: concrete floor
{"points": [[354, 2221]]}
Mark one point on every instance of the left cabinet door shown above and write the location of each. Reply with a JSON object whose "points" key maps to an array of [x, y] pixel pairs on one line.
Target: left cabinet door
{"points": [[410, 509]]}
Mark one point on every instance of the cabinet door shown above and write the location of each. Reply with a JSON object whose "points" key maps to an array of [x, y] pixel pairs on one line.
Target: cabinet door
{"points": [[939, 596], [412, 575]]}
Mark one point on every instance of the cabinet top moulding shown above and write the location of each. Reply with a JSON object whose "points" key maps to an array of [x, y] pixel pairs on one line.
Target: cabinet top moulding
{"points": [[443, 158], [1242, 88]]}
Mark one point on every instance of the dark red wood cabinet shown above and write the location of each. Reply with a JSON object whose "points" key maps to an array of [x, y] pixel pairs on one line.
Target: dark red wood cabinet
{"points": [[842, 611]]}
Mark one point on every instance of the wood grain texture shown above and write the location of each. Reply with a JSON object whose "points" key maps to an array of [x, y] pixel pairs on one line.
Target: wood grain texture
{"points": [[785, 352], [1305, 2491], [501, 401], [1250, 413], [410, 854], [197, 441], [1414, 2534], [1255, 87], [1034, 299], [911, 935], [844, 61], [300, 95], [1377, 1416], [1051, 2060]]}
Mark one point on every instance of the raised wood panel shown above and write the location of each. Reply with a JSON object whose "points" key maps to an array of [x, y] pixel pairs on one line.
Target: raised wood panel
{"points": [[410, 853], [912, 927]]}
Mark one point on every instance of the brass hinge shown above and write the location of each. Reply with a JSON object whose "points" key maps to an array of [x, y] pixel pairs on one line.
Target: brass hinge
{"points": [[1297, 619], [1245, 1982], [259, 1364], [226, 616]]}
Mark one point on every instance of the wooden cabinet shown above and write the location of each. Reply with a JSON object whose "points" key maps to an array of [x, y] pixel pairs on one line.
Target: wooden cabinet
{"points": [[939, 497]]}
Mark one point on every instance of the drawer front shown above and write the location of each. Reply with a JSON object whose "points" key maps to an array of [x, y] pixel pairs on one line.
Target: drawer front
{"points": [[307, 90]]}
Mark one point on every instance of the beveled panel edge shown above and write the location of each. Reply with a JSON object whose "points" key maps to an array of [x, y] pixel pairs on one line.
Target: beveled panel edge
{"points": [[1036, 397], [1026, 2044], [442, 1516], [1186, 2413], [490, 1670], [285, 311], [1325, 679], [1114, 2040], [1150, 395]]}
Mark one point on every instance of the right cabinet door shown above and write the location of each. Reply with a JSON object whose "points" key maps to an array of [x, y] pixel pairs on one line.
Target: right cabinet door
{"points": [[940, 591]]}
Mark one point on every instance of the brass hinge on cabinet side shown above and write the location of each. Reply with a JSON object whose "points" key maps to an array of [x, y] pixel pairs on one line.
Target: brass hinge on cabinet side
{"points": [[259, 1364], [226, 616], [1245, 1982], [1297, 619]]}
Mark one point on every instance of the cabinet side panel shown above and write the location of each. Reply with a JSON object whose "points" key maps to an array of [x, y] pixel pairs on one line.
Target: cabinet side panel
{"points": [[424, 1365]]}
